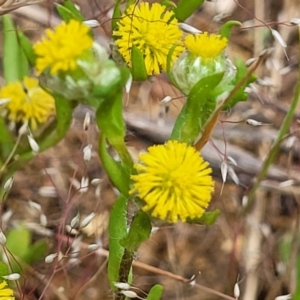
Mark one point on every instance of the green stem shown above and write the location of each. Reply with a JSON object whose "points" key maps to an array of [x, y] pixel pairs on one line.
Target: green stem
{"points": [[274, 150], [125, 270]]}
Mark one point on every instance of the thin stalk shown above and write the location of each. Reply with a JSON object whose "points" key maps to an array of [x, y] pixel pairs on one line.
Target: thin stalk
{"points": [[274, 150]]}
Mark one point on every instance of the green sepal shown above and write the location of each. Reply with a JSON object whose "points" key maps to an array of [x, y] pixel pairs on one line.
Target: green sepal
{"points": [[116, 15], [198, 109], [208, 218], [225, 29], [186, 8], [117, 230], [117, 173], [155, 293], [138, 70], [27, 48], [6, 141], [139, 232], [15, 65], [68, 11], [169, 66], [107, 88]]}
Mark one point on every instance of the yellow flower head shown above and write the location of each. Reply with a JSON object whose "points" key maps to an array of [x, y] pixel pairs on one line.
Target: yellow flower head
{"points": [[61, 47], [205, 45], [153, 30], [5, 292], [174, 182], [26, 102]]}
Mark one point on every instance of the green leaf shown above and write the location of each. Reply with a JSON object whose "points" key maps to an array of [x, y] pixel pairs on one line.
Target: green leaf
{"points": [[64, 110], [68, 11], [116, 15], [117, 230], [185, 8], [6, 141], [18, 241], [198, 109], [13, 58], [109, 117], [27, 48], [139, 232], [119, 176], [208, 218], [169, 66], [35, 252], [3, 269], [139, 71], [155, 293], [225, 29], [129, 2]]}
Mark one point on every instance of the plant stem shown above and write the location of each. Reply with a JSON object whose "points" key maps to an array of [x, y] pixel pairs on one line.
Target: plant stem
{"points": [[274, 150], [125, 267]]}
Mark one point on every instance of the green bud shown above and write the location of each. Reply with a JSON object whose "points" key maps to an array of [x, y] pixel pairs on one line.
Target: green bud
{"points": [[188, 69]]}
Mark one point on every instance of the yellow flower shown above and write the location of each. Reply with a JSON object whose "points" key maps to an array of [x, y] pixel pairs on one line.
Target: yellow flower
{"points": [[60, 49], [5, 292], [153, 30], [174, 182], [27, 102], [205, 45]]}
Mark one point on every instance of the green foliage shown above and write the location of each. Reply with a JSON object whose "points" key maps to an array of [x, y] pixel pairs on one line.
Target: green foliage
{"points": [[117, 231], [129, 2], [208, 218], [64, 110], [155, 292], [138, 70], [139, 232], [6, 142], [68, 11], [115, 170], [240, 95], [15, 65], [199, 107], [225, 29], [296, 295], [186, 8], [19, 243], [27, 48], [3, 269], [116, 14]]}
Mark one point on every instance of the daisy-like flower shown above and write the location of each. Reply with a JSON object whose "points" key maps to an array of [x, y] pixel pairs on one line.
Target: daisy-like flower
{"points": [[153, 30], [205, 45], [174, 182], [26, 102], [60, 49], [204, 56], [5, 292]]}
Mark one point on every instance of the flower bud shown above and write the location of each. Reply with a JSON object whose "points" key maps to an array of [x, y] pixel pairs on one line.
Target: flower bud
{"points": [[204, 57]]}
